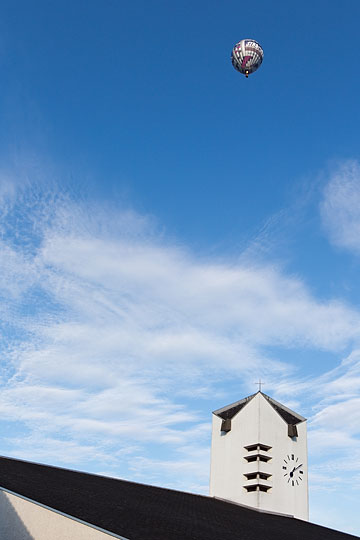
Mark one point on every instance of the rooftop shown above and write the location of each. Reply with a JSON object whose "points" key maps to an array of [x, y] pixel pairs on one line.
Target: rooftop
{"points": [[289, 416], [143, 512]]}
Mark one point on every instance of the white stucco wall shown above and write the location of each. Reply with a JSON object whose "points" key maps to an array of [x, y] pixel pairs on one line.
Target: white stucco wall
{"points": [[258, 422], [21, 519]]}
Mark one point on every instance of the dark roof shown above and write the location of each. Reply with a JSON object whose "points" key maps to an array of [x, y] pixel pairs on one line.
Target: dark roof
{"points": [[286, 414], [141, 512], [229, 411]]}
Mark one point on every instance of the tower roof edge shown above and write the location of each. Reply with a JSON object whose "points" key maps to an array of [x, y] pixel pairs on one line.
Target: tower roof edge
{"points": [[289, 416]]}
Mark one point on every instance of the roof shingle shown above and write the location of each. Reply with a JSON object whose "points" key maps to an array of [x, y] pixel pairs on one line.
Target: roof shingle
{"points": [[142, 512]]}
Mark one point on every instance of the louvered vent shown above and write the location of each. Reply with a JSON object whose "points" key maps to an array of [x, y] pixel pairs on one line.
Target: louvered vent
{"points": [[258, 477]]}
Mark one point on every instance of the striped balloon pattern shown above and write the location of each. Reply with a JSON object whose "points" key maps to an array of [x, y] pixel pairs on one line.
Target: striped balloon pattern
{"points": [[247, 56]]}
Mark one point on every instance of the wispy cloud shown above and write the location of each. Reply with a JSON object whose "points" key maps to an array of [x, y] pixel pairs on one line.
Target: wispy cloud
{"points": [[333, 401], [340, 207], [112, 337]]}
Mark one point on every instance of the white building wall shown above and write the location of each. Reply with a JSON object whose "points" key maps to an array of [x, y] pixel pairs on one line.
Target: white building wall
{"points": [[258, 422], [21, 519]]}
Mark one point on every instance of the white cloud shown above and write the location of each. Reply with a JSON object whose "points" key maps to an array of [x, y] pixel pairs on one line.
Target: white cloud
{"points": [[188, 470], [113, 337], [333, 403], [340, 207]]}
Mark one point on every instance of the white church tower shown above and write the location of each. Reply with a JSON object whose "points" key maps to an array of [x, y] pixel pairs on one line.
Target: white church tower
{"points": [[259, 456]]}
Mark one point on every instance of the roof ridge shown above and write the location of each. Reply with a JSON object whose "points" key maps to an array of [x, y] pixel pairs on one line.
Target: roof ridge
{"points": [[229, 411], [287, 414]]}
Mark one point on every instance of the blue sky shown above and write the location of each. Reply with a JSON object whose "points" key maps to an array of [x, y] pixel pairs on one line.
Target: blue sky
{"points": [[171, 232]]}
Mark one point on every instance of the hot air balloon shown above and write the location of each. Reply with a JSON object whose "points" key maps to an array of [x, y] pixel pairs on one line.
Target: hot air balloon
{"points": [[247, 56]]}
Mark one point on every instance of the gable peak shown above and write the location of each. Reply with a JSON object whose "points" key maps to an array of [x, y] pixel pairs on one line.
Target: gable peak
{"points": [[289, 416]]}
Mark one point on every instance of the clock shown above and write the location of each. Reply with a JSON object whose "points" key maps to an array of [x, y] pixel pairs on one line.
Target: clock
{"points": [[293, 470]]}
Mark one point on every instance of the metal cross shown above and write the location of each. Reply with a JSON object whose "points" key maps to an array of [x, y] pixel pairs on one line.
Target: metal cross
{"points": [[260, 384]]}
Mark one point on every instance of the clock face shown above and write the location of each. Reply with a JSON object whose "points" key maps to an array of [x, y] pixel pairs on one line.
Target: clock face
{"points": [[293, 470]]}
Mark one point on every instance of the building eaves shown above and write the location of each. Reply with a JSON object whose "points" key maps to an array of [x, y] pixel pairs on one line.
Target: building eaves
{"points": [[290, 417], [229, 411]]}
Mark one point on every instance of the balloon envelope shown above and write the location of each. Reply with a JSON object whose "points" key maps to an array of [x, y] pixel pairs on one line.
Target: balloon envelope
{"points": [[247, 56]]}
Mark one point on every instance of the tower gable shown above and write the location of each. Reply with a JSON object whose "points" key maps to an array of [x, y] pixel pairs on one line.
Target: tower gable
{"points": [[228, 412]]}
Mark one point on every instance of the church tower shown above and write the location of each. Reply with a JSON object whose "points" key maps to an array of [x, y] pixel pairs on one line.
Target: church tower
{"points": [[259, 456]]}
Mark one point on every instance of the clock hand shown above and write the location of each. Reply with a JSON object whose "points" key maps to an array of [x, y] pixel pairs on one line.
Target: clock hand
{"points": [[295, 469]]}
